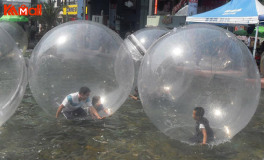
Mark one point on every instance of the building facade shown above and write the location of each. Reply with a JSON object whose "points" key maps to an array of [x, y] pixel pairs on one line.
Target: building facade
{"points": [[164, 7], [1, 8], [120, 15]]}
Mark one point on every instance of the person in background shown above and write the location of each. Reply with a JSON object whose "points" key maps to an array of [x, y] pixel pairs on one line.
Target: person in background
{"points": [[248, 41], [262, 47], [258, 58], [258, 43], [164, 7]]}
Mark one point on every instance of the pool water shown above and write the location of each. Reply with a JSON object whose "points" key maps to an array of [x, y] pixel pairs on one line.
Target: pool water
{"points": [[126, 135]]}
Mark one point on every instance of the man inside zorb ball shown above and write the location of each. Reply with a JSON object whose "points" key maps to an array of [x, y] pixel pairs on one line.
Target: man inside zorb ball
{"points": [[70, 68], [79, 106]]}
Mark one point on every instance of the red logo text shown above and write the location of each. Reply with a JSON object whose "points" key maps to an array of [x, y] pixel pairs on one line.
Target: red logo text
{"points": [[23, 10]]}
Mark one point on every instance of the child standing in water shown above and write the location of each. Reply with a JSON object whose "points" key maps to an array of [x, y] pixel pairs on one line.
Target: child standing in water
{"points": [[204, 133]]}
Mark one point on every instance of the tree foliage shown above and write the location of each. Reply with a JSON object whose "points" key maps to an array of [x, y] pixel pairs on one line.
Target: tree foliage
{"points": [[49, 18]]}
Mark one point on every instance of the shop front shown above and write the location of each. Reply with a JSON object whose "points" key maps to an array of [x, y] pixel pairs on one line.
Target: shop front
{"points": [[166, 12], [70, 12]]}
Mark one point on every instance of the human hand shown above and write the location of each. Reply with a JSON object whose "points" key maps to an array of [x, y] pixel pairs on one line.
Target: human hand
{"points": [[133, 97], [99, 117]]}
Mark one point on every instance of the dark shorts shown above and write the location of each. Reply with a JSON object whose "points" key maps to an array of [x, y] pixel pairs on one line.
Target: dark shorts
{"points": [[76, 114]]}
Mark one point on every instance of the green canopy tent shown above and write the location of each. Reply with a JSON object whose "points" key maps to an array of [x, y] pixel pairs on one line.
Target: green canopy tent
{"points": [[14, 18], [244, 33]]}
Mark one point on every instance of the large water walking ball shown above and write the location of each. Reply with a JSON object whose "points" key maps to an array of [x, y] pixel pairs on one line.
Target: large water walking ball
{"points": [[17, 33], [139, 42], [199, 65], [13, 76], [76, 54]]}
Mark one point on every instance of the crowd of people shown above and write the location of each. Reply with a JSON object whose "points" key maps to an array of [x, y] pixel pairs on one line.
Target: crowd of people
{"points": [[249, 41]]}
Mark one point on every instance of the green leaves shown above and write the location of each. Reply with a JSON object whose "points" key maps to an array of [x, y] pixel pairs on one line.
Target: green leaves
{"points": [[49, 15]]}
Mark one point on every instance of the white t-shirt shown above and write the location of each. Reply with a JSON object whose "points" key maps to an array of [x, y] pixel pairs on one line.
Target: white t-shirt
{"points": [[248, 41], [71, 102], [201, 126]]}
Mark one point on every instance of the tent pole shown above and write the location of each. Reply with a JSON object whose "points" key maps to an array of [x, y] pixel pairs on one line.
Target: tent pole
{"points": [[255, 43]]}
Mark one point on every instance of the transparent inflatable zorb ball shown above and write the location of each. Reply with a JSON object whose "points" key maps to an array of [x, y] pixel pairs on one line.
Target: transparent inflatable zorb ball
{"points": [[13, 76], [76, 54], [17, 33], [199, 66], [139, 42]]}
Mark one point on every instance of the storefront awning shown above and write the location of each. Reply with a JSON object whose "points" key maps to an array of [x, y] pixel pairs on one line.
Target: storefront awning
{"points": [[236, 12]]}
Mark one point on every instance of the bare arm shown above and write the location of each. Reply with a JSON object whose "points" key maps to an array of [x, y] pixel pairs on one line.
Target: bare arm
{"points": [[59, 110], [106, 111], [94, 112], [204, 136], [133, 97]]}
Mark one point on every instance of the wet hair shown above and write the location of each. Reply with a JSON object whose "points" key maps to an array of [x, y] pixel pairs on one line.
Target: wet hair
{"points": [[95, 99], [84, 90], [199, 111]]}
